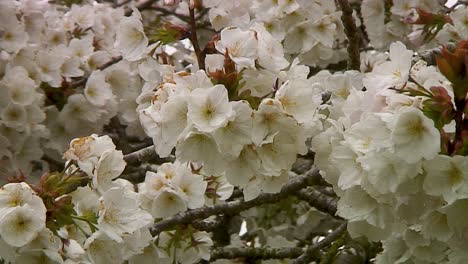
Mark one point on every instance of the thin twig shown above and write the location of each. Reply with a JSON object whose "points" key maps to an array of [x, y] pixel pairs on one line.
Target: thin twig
{"points": [[194, 39], [311, 252], [352, 33]]}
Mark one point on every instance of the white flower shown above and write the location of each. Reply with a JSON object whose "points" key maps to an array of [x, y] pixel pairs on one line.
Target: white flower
{"points": [[264, 184], [97, 90], [237, 132], [20, 225], [48, 65], [87, 151], [167, 124], [271, 118], [109, 166], [324, 30], [351, 172], [192, 186], [447, 176], [191, 82], [270, 51], [258, 83], [300, 99], [83, 15], [13, 38], [300, 38], [121, 213], [245, 166], [168, 203], [385, 171], [101, 249], [356, 204], [415, 136], [209, 108], [240, 45], [393, 73], [200, 250], [277, 152], [136, 242], [201, 147], [131, 40], [85, 201], [15, 116], [20, 194]]}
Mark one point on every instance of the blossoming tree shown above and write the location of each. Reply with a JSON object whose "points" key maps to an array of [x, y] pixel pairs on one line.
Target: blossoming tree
{"points": [[243, 131]]}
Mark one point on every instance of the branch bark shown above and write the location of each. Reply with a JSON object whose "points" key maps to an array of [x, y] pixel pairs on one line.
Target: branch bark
{"points": [[352, 33], [234, 207], [194, 39], [311, 251], [147, 154], [318, 200], [256, 253]]}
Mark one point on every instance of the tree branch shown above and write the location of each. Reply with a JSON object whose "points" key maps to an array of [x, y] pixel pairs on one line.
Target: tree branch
{"points": [[318, 200], [295, 184], [147, 154], [352, 33], [311, 251], [194, 39], [256, 253]]}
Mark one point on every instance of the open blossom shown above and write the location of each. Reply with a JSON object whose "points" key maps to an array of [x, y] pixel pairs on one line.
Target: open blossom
{"points": [[393, 73], [209, 108], [240, 45], [415, 136], [121, 213], [300, 99], [97, 90], [131, 40], [447, 176], [21, 224], [171, 190]]}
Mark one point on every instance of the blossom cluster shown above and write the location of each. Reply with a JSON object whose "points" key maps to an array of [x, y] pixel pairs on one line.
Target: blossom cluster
{"points": [[383, 155], [45, 53], [251, 131], [108, 219], [390, 138]]}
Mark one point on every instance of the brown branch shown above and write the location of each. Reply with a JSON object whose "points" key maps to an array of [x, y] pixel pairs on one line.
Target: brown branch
{"points": [[147, 154], [312, 251], [256, 253], [318, 200], [352, 33], [295, 184], [194, 39]]}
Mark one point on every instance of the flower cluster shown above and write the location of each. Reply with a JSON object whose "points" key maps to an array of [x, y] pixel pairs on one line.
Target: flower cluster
{"points": [[249, 130], [261, 131], [382, 153], [46, 53], [312, 29], [106, 220]]}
